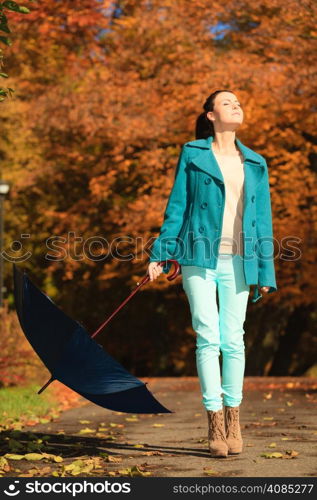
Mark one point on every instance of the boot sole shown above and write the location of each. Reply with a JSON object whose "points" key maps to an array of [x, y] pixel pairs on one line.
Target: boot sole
{"points": [[219, 454]]}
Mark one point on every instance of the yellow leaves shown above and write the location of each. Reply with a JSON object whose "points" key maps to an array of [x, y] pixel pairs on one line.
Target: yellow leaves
{"points": [[272, 445], [153, 453], [85, 421], [79, 467], [44, 420], [110, 458], [288, 454], [34, 457], [291, 453], [87, 431], [133, 418], [290, 385], [4, 465], [210, 472], [272, 455], [136, 470], [267, 395], [13, 456], [158, 425]]}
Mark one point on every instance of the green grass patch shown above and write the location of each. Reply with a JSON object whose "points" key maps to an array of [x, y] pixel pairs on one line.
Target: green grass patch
{"points": [[21, 402]]}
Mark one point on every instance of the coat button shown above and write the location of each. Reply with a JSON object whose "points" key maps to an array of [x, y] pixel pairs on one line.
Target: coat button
{"points": [[208, 180], [203, 205], [253, 198], [201, 229], [253, 223]]}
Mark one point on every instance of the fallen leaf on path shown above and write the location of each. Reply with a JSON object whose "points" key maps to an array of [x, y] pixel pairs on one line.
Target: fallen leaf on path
{"points": [[211, 472], [272, 455], [86, 431], [134, 471], [78, 467], [4, 465], [34, 457], [291, 453], [12, 456], [267, 395], [150, 453], [112, 458]]}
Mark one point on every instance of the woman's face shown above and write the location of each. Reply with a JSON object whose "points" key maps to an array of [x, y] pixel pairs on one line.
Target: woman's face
{"points": [[227, 113]]}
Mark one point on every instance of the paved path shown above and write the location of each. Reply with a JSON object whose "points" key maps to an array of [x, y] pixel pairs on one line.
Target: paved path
{"points": [[274, 410]]}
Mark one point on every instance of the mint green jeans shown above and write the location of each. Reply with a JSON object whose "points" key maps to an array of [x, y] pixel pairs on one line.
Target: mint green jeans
{"points": [[218, 330]]}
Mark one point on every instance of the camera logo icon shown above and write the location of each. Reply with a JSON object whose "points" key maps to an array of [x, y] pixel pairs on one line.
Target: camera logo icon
{"points": [[13, 491]]}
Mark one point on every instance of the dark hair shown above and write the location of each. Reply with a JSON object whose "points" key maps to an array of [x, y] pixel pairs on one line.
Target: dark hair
{"points": [[205, 127]]}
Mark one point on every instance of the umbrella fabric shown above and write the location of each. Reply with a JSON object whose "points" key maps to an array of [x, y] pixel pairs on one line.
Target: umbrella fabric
{"points": [[73, 357]]}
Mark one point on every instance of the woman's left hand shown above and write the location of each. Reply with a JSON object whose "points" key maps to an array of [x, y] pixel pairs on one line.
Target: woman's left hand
{"points": [[264, 288]]}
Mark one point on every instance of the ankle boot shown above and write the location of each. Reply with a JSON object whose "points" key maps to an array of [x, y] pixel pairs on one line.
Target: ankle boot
{"points": [[233, 431], [217, 434]]}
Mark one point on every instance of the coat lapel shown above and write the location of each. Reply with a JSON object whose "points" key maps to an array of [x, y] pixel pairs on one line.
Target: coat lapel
{"points": [[205, 160]]}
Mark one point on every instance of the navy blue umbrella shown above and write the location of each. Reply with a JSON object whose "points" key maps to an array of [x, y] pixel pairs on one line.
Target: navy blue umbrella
{"points": [[73, 356]]}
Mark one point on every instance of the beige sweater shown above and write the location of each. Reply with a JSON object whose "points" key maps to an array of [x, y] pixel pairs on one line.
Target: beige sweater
{"points": [[233, 173]]}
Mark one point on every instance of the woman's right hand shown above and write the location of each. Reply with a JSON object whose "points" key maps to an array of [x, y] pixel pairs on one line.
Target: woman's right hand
{"points": [[154, 270]]}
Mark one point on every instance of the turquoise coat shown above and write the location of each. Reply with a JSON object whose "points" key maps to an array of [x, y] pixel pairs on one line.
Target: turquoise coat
{"points": [[192, 224]]}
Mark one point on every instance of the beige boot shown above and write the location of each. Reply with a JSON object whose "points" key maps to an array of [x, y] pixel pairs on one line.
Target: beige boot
{"points": [[217, 434], [233, 431]]}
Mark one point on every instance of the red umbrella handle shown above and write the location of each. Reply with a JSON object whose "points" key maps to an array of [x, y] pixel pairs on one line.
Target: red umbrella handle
{"points": [[144, 280]]}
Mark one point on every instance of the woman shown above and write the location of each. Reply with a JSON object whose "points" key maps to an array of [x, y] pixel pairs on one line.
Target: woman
{"points": [[218, 226]]}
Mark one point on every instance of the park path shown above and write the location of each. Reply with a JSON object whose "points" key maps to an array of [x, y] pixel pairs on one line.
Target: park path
{"points": [[278, 415]]}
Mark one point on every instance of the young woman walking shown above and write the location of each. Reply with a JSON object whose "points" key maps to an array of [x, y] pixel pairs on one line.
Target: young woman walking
{"points": [[218, 226]]}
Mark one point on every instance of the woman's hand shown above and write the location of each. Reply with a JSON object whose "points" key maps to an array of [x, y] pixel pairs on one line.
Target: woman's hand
{"points": [[154, 270], [264, 288]]}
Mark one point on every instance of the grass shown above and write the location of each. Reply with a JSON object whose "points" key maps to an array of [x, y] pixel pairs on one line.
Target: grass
{"points": [[17, 402]]}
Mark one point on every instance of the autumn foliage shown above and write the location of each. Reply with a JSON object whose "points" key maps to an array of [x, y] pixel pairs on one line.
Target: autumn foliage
{"points": [[105, 95]]}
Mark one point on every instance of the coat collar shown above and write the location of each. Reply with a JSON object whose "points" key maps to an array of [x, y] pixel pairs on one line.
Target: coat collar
{"points": [[248, 153], [205, 160]]}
